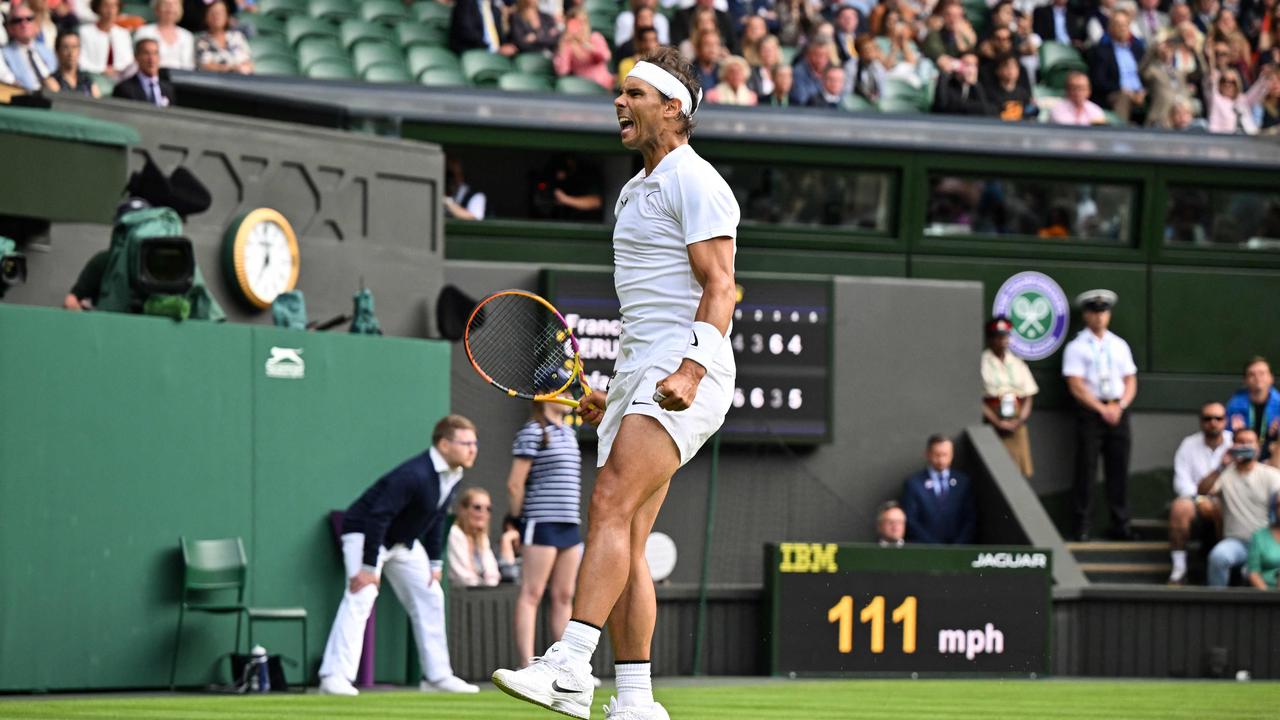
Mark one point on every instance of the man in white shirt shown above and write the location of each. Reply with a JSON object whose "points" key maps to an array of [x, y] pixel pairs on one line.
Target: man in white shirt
{"points": [[1102, 377], [673, 271], [1199, 456]]}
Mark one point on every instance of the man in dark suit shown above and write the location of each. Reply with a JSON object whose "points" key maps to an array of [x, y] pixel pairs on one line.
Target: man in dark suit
{"points": [[146, 84], [959, 92], [384, 532], [682, 25], [939, 502], [475, 24], [1059, 23], [1113, 69]]}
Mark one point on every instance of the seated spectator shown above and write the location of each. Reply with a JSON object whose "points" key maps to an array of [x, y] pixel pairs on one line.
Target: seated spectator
{"points": [[1161, 80], [1183, 119], [783, 75], [768, 57], [29, 62], [1203, 12], [891, 525], [583, 52], [1263, 561], [831, 95], [477, 24], [146, 85], [1230, 110], [685, 22], [1199, 456], [1010, 99], [937, 502], [1270, 105], [1100, 21], [869, 74], [1027, 46], [807, 80], [645, 41], [1008, 392], [1076, 108], [704, 23], [846, 33], [646, 17], [471, 559], [177, 44], [568, 190], [1113, 64], [1060, 23], [903, 60], [1148, 22], [49, 20], [998, 44], [958, 91], [509, 547], [68, 78], [1245, 490], [707, 58], [1256, 405], [797, 19], [628, 20], [754, 33], [461, 201], [533, 30], [220, 49], [732, 88], [951, 38], [105, 48]]}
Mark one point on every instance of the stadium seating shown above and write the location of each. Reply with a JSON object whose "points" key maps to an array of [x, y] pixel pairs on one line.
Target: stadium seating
{"points": [[261, 24], [283, 8], [265, 46], [431, 58], [367, 55], [856, 103], [442, 77], [432, 14], [332, 10], [275, 65], [387, 12], [298, 28], [1057, 61], [574, 85], [412, 34], [386, 73], [316, 49], [533, 64], [331, 69], [483, 68], [355, 32], [142, 10], [525, 82]]}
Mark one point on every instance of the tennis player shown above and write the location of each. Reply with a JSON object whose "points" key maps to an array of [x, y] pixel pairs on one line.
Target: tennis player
{"points": [[673, 255]]}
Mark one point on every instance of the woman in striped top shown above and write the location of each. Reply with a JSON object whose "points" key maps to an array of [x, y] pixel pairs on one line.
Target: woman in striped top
{"points": [[545, 485]]}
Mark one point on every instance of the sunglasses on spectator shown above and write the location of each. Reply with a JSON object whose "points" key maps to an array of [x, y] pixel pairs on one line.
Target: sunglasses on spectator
{"points": [[19, 19], [482, 508], [1212, 418]]}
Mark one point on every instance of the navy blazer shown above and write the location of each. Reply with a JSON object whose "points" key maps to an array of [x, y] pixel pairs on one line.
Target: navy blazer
{"points": [[1104, 71], [403, 506], [466, 25], [949, 520]]}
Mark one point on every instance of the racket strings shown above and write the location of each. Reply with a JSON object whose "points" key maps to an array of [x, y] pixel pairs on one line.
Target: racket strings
{"points": [[521, 345]]}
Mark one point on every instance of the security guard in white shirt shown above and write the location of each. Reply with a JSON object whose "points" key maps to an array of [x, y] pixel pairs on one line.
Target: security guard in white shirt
{"points": [[1102, 377]]}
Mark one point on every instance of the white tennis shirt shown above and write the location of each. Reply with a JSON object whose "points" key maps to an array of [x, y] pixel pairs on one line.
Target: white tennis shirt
{"points": [[682, 202]]}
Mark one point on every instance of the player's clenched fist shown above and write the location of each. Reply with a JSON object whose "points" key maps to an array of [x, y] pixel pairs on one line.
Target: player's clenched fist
{"points": [[677, 390], [591, 407]]}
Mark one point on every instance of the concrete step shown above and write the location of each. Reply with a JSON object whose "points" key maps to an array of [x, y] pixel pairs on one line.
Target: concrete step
{"points": [[1144, 573], [1136, 551]]}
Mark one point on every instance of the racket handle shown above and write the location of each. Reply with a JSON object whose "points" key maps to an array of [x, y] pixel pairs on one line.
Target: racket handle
{"points": [[561, 401]]}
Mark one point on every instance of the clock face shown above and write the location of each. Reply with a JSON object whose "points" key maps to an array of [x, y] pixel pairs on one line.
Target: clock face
{"points": [[268, 260]]}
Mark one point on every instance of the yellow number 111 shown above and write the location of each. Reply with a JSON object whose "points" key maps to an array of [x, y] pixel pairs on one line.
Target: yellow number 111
{"points": [[873, 613]]}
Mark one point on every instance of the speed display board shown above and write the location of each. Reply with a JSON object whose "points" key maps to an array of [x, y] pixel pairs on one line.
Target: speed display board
{"points": [[851, 609], [781, 338]]}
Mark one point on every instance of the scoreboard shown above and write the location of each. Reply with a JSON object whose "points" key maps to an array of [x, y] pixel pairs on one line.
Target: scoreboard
{"points": [[863, 609], [781, 338]]}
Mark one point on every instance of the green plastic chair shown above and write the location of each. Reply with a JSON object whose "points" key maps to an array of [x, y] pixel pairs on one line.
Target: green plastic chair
{"points": [[904, 92], [410, 34], [105, 84], [366, 55], [1057, 61], [275, 65], [332, 10], [787, 54], [903, 105], [432, 58], [603, 22], [854, 102], [574, 85], [354, 32], [219, 566], [260, 25], [483, 68], [602, 6], [532, 63], [525, 82], [317, 49], [442, 77], [430, 12], [268, 45], [142, 10], [386, 73], [387, 12], [331, 69], [299, 28], [283, 8]]}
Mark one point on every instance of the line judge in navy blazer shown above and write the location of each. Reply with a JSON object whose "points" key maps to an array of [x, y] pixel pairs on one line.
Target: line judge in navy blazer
{"points": [[938, 501]]}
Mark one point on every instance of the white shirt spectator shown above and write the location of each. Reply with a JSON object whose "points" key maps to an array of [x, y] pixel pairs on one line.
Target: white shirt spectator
{"points": [[625, 27], [94, 46], [1194, 460], [1246, 499], [1102, 363], [6, 76], [475, 204], [1066, 113], [179, 56]]}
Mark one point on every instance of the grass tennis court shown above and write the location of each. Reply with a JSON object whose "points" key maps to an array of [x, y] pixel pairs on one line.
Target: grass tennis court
{"points": [[745, 699]]}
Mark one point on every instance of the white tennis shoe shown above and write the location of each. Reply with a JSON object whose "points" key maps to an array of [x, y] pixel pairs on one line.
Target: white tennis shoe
{"points": [[613, 711], [552, 681], [451, 684], [335, 685]]}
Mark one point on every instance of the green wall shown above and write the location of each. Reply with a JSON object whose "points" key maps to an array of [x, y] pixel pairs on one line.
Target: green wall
{"points": [[120, 433]]}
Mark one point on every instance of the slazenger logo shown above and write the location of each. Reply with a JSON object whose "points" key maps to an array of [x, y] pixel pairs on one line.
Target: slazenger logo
{"points": [[286, 363], [1011, 560]]}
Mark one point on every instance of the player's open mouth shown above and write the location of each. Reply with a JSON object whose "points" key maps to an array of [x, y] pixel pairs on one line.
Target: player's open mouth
{"points": [[625, 124]]}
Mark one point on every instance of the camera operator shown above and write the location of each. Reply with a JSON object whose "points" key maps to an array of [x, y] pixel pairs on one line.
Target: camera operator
{"points": [[568, 190]]}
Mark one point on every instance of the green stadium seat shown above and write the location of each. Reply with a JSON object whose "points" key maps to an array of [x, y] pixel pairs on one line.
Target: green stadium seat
{"points": [[574, 85], [283, 8], [384, 73], [442, 77], [525, 82], [331, 69], [318, 49], [260, 25], [142, 10], [603, 22], [903, 91], [432, 58], [787, 54], [602, 6], [332, 10], [387, 12], [483, 68], [299, 27], [533, 63], [904, 105], [275, 65], [366, 55], [1057, 61], [854, 102], [430, 12], [105, 85], [410, 34], [354, 32], [268, 45]]}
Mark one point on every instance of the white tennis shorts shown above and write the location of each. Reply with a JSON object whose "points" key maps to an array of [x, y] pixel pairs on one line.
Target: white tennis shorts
{"points": [[631, 393]]}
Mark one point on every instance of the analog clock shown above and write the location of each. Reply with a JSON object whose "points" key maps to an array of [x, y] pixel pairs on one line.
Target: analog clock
{"points": [[261, 253]]}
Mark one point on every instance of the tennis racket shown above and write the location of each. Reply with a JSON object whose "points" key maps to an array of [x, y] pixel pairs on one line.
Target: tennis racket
{"points": [[519, 343]]}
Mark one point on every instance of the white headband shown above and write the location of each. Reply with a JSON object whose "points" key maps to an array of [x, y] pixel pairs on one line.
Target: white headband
{"points": [[665, 83]]}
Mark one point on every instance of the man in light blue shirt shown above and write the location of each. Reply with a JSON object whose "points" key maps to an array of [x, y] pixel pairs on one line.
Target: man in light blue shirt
{"points": [[1114, 69]]}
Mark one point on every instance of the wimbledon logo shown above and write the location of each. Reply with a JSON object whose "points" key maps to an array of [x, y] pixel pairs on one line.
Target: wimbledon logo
{"points": [[1037, 308]]}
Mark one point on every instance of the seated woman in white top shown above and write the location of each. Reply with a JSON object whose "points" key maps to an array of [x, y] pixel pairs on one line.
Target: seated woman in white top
{"points": [[471, 559], [105, 48], [177, 45]]}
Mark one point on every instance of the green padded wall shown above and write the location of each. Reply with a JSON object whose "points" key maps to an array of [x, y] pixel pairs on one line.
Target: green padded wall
{"points": [[120, 433]]}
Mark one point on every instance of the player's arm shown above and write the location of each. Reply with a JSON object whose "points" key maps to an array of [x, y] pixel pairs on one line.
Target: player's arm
{"points": [[712, 265]]}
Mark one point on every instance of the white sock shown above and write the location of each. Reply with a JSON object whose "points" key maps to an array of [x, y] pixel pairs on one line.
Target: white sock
{"points": [[579, 641], [635, 687], [1179, 562]]}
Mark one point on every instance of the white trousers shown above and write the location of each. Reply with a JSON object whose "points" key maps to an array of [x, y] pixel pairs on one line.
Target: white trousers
{"points": [[409, 572]]}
